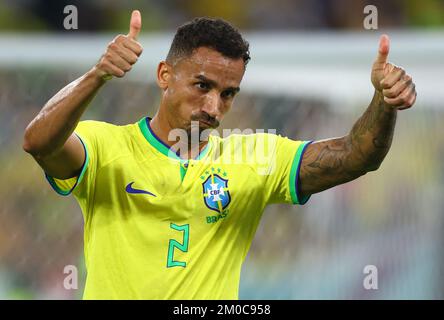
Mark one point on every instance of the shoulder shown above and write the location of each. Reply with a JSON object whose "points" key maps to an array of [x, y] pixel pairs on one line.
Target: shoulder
{"points": [[102, 129], [249, 140], [262, 146], [99, 126], [107, 140], [243, 137], [245, 148]]}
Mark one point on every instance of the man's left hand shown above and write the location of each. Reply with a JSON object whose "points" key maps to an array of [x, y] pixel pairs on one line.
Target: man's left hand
{"points": [[392, 81]]}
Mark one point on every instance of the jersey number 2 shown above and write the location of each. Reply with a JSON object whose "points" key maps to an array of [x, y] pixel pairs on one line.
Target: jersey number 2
{"points": [[181, 246]]}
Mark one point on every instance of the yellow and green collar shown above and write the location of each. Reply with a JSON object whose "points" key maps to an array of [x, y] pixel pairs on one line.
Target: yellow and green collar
{"points": [[159, 145]]}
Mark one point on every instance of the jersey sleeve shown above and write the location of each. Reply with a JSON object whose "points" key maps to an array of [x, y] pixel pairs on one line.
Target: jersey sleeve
{"points": [[82, 186], [280, 169]]}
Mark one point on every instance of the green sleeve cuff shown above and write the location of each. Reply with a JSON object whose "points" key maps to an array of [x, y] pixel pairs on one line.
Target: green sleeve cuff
{"points": [[67, 192], [295, 188]]}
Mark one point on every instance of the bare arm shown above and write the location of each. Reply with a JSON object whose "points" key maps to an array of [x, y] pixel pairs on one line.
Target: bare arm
{"points": [[331, 162], [49, 137], [335, 161]]}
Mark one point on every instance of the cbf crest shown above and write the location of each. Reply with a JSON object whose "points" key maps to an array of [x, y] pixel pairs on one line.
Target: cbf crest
{"points": [[215, 190]]}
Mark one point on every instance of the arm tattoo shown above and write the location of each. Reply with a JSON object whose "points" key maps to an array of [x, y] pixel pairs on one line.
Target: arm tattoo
{"points": [[330, 162]]}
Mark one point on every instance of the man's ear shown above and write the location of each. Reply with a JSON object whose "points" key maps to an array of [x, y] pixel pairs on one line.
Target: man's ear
{"points": [[163, 75]]}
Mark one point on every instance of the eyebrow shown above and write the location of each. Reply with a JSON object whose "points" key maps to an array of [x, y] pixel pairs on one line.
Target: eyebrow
{"points": [[214, 83]]}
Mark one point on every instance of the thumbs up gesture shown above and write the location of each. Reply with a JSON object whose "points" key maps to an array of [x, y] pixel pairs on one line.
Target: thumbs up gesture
{"points": [[392, 81], [122, 52]]}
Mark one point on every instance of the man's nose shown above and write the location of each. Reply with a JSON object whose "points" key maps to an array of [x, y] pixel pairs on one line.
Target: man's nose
{"points": [[212, 104]]}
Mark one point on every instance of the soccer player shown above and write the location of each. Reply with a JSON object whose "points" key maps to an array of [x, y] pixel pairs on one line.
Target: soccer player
{"points": [[159, 224]]}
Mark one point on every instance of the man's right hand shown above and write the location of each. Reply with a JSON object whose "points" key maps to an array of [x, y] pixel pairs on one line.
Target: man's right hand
{"points": [[122, 52], [49, 138]]}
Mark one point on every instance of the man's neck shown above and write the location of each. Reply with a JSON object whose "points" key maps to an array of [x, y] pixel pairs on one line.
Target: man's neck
{"points": [[162, 128]]}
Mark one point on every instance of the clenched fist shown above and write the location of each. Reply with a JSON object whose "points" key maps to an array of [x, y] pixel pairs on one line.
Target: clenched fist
{"points": [[122, 52], [392, 81]]}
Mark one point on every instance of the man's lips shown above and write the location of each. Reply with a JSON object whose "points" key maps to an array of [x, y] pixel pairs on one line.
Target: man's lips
{"points": [[206, 123]]}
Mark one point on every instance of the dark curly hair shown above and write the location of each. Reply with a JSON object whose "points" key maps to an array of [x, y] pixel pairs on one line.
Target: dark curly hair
{"points": [[217, 34]]}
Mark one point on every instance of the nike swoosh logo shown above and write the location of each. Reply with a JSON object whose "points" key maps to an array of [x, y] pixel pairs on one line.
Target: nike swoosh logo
{"points": [[129, 188]]}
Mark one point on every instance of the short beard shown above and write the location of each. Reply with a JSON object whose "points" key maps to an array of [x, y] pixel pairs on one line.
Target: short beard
{"points": [[201, 131], [198, 133]]}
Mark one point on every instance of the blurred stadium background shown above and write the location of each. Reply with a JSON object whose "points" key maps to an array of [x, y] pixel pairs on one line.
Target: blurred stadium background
{"points": [[308, 78]]}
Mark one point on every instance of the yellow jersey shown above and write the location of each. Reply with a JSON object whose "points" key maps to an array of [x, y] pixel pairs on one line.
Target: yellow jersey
{"points": [[160, 227]]}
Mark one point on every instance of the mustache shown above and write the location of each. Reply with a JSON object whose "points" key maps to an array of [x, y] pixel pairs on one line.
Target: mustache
{"points": [[205, 117]]}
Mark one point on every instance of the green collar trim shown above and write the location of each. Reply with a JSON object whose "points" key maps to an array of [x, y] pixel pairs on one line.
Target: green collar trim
{"points": [[160, 146]]}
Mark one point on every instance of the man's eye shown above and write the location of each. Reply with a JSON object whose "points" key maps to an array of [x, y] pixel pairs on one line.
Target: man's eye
{"points": [[202, 85], [228, 94]]}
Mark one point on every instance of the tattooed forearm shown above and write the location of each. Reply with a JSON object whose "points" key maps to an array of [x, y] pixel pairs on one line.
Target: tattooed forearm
{"points": [[372, 134], [328, 163]]}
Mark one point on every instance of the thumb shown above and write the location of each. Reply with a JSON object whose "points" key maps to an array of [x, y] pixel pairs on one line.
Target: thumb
{"points": [[383, 51], [135, 24]]}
